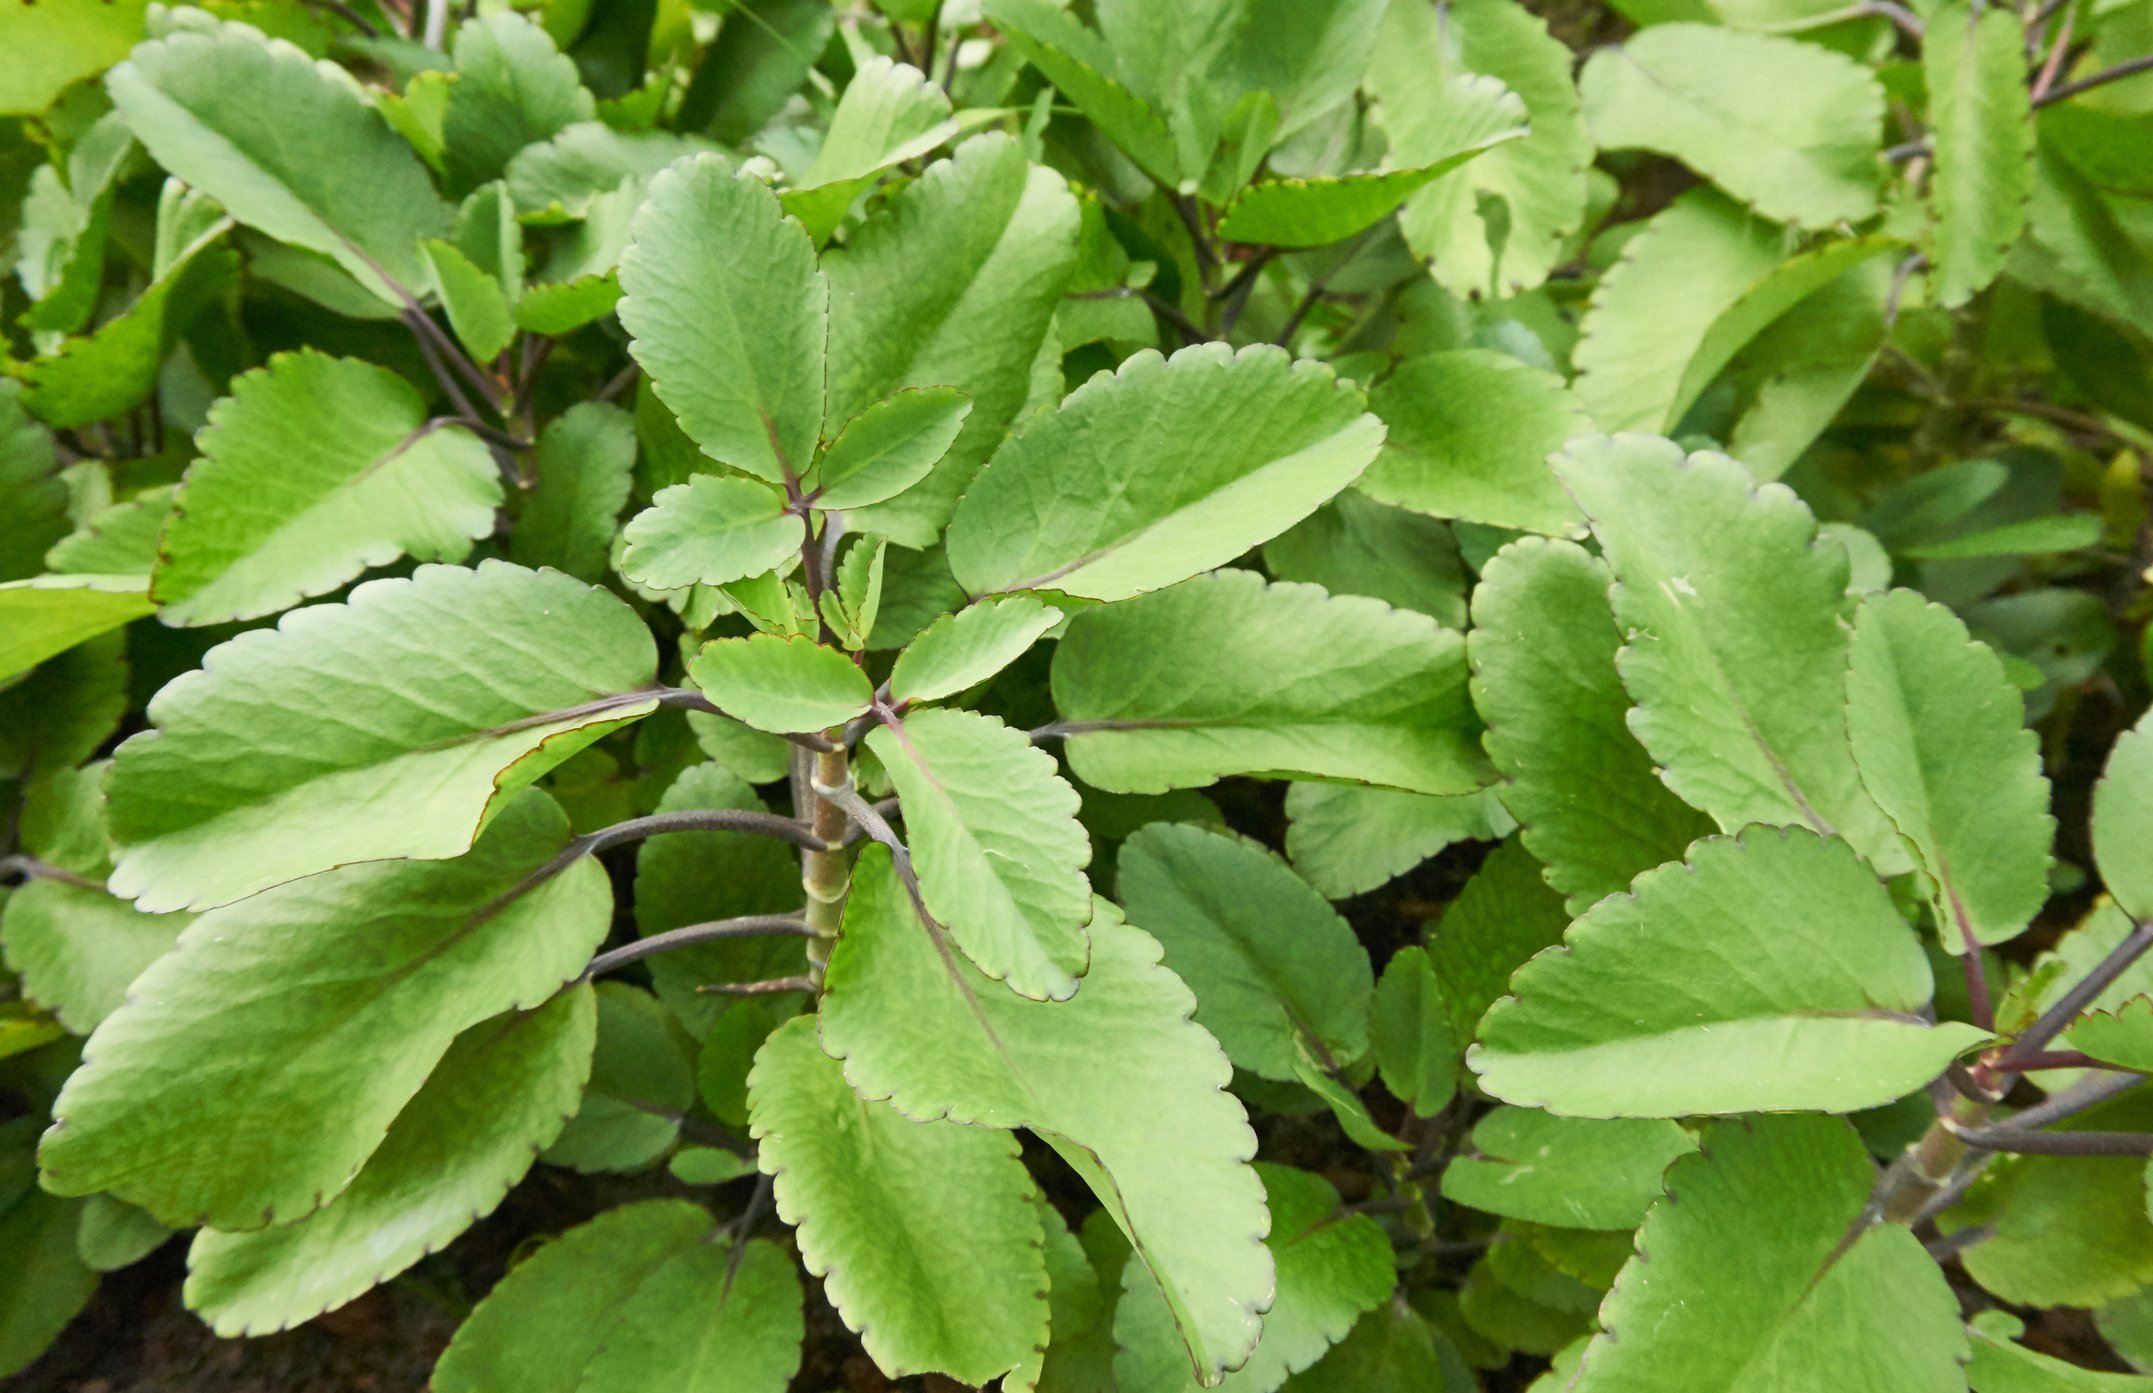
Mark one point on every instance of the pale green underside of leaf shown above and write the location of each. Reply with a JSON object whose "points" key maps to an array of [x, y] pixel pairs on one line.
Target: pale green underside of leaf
{"points": [[500, 1093], [729, 315], [780, 684], [1162, 470], [45, 615], [1468, 436], [927, 1235], [314, 469], [1735, 617], [1940, 736], [962, 650], [342, 736], [890, 112], [712, 530], [1981, 129], [1538, 182], [1347, 841], [1637, 1015], [1652, 311], [1331, 1269], [1743, 1285], [285, 147], [995, 840], [1543, 648], [1229, 675], [1269, 960], [1316, 212], [474, 301], [953, 284], [1117, 1079], [256, 1066], [640, 1298], [1575, 1173], [2123, 821], [1788, 127]]}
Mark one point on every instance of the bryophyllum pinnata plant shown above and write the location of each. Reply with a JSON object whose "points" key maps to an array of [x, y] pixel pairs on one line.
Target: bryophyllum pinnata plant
{"points": [[1309, 694]]}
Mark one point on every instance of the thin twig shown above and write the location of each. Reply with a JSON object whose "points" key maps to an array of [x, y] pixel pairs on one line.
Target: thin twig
{"points": [[2129, 68], [2080, 1097], [2017, 1143], [769, 987], [1171, 313], [1951, 1245], [620, 382], [716, 931], [30, 868], [437, 23], [2054, 65], [689, 699], [347, 14], [2058, 1017]]}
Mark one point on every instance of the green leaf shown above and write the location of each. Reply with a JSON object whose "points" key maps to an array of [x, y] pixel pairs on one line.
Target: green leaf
{"points": [[642, 1081], [1468, 436], [1788, 127], [889, 447], [1409, 1028], [2123, 820], [1543, 648], [75, 947], [1565, 1172], [1331, 1269], [568, 305], [259, 1063], [1163, 470], [585, 467], [1792, 379], [1981, 131], [115, 369], [1082, 65], [114, 1234], [117, 541], [560, 179], [639, 1298], [477, 306], [1270, 962], [964, 649], [1735, 616], [1637, 1016], [781, 685], [1229, 675], [2064, 1230], [1690, 264], [728, 314], [2027, 537], [890, 112], [1316, 212], [449, 1158], [314, 469], [45, 615], [256, 772], [2123, 1036], [2000, 1365], [513, 88], [1354, 545], [1533, 188], [995, 841], [1503, 916], [65, 709], [1940, 736], [51, 47], [285, 147], [46, 1282], [1756, 1280], [30, 488], [1346, 840], [1391, 1350], [926, 1234], [953, 284], [1116, 1079], [713, 530], [757, 64]]}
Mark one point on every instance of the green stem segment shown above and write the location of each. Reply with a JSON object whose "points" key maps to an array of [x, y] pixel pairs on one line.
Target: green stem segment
{"points": [[826, 875]]}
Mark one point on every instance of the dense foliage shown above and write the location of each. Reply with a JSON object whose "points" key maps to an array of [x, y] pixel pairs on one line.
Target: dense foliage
{"points": [[1328, 694]]}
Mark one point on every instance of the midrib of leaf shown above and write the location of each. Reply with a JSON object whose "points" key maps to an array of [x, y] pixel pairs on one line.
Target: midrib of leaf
{"points": [[1730, 118]]}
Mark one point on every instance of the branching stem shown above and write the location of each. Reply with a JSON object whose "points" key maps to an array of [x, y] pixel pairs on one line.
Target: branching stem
{"points": [[716, 931]]}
